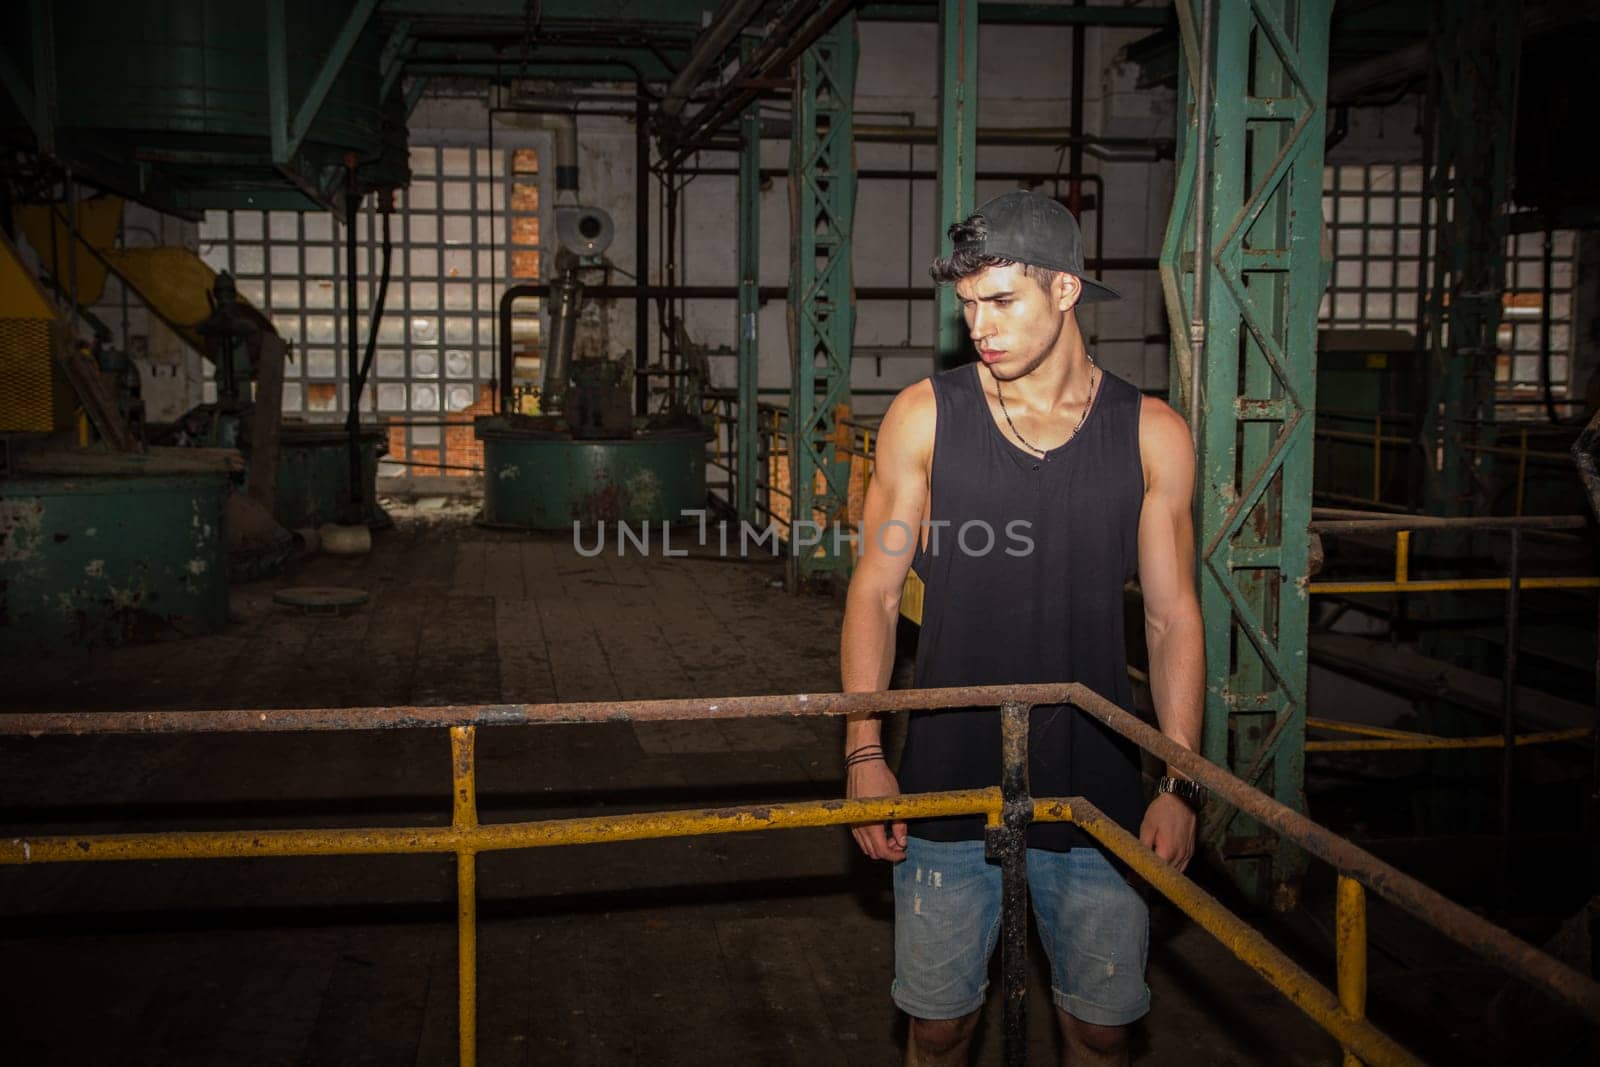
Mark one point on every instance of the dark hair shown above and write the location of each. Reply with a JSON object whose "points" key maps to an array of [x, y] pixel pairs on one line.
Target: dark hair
{"points": [[964, 263]]}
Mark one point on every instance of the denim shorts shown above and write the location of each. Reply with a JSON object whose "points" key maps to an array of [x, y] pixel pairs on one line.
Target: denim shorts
{"points": [[1095, 926]]}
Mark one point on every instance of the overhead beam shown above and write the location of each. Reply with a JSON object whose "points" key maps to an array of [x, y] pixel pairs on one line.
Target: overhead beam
{"points": [[463, 58], [732, 17], [634, 14], [1027, 14]]}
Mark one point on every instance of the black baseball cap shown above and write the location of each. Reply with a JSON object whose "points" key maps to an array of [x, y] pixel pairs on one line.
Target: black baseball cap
{"points": [[1026, 227]]}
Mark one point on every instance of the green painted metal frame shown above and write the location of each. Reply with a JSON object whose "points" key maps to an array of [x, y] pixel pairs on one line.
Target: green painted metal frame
{"points": [[1263, 278], [290, 124], [958, 157], [745, 443], [646, 16], [396, 50], [1475, 49], [822, 179], [1155, 18]]}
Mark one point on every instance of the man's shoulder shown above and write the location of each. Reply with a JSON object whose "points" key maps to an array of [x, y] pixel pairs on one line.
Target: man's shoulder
{"points": [[908, 426], [1165, 444], [1159, 419], [916, 401]]}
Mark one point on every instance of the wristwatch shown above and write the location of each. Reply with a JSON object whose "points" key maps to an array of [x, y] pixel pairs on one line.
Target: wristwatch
{"points": [[1190, 792]]}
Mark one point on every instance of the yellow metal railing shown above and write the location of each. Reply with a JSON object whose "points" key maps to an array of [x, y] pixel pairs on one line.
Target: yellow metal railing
{"points": [[1382, 436], [1402, 527], [1341, 1013]]}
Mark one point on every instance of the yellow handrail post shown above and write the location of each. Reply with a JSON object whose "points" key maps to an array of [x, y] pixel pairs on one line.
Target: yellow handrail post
{"points": [[463, 773], [1402, 555], [1350, 941]]}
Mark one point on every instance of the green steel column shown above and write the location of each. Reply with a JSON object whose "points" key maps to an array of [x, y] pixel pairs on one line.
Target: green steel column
{"points": [[822, 181], [1476, 45], [1256, 333], [958, 153], [745, 475]]}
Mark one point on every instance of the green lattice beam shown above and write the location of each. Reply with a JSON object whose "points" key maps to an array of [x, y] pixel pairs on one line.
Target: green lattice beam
{"points": [[1256, 333], [823, 190]]}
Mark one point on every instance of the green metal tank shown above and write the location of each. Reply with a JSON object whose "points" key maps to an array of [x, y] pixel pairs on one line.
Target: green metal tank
{"points": [[176, 71], [314, 476], [537, 480], [101, 557]]}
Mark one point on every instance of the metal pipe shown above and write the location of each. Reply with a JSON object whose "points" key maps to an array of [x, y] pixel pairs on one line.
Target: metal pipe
{"points": [[1052, 136], [563, 126], [1260, 955], [359, 385], [641, 242], [1443, 522], [1544, 329], [564, 335], [493, 837], [1202, 233], [1451, 585], [1079, 87], [1006, 843], [790, 36], [352, 209], [1497, 945], [1421, 742], [730, 18], [1350, 949], [464, 817]]}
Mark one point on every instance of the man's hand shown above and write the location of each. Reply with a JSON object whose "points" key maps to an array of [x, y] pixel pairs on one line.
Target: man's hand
{"points": [[875, 779], [1168, 829]]}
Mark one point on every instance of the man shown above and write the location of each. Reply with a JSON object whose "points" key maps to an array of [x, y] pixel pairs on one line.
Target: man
{"points": [[1083, 484]]}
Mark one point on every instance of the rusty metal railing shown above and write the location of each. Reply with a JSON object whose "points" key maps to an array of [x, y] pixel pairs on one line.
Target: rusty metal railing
{"points": [[1007, 809]]}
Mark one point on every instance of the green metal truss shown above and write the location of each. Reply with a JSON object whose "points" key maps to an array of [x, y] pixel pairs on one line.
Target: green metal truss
{"points": [[745, 474], [1256, 332], [958, 153], [822, 184], [1476, 44]]}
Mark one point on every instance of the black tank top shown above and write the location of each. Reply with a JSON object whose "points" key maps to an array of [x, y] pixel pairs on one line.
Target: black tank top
{"points": [[1013, 612]]}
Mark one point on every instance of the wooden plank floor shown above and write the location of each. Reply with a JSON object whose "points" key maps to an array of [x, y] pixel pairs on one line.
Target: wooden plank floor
{"points": [[771, 948]]}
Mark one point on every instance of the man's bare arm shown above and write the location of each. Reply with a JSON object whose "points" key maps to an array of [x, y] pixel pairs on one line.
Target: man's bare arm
{"points": [[1173, 629], [896, 502]]}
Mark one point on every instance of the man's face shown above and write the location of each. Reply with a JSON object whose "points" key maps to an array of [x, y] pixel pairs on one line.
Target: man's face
{"points": [[1013, 321]]}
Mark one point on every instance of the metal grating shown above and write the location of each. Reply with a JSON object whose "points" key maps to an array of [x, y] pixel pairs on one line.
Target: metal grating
{"points": [[27, 403]]}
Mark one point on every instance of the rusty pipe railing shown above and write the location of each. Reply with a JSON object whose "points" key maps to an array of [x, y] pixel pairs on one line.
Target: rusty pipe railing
{"points": [[1007, 811]]}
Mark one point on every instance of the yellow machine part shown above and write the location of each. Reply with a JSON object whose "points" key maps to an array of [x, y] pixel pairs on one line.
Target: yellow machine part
{"points": [[34, 397], [97, 222], [173, 282]]}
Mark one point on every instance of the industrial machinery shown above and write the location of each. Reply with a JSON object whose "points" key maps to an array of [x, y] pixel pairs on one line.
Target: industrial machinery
{"points": [[96, 546], [584, 457]]}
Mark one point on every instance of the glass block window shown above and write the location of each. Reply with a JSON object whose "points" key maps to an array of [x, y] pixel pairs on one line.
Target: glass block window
{"points": [[1517, 372], [1380, 280], [435, 366], [1377, 233]]}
